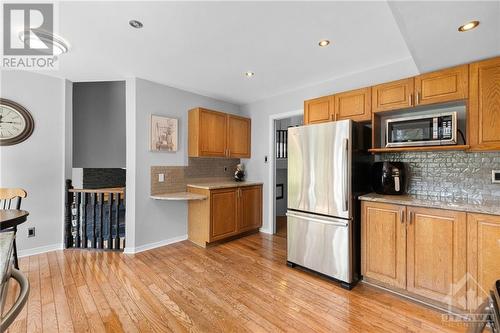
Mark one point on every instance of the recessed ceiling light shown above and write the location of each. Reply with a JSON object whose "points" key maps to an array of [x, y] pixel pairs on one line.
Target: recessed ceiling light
{"points": [[468, 26], [135, 24], [44, 38], [249, 74], [324, 42]]}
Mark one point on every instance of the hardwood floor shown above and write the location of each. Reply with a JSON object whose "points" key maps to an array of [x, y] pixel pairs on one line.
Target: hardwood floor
{"points": [[281, 226], [240, 286]]}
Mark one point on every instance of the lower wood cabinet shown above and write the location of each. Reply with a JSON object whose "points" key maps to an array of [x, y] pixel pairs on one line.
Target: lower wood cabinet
{"points": [[384, 243], [225, 213], [422, 252], [483, 256], [436, 255]]}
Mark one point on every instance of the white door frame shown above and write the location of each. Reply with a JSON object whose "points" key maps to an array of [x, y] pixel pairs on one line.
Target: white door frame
{"points": [[272, 159]]}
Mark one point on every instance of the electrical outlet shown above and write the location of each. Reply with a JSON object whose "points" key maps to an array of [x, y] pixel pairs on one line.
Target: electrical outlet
{"points": [[31, 232], [161, 177], [495, 176]]}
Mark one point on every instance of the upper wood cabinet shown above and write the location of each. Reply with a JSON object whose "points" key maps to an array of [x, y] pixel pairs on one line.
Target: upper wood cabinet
{"points": [[318, 110], [484, 105], [355, 105], [218, 134], [393, 95], [436, 257], [483, 256], [238, 136], [449, 84], [383, 243]]}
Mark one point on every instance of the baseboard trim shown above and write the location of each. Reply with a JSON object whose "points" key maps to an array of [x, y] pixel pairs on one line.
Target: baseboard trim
{"points": [[150, 246], [266, 231], [39, 250]]}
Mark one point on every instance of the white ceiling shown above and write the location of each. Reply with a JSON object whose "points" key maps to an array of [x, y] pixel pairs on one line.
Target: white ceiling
{"points": [[206, 47]]}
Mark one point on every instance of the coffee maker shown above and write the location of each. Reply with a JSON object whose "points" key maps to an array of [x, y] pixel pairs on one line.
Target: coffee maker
{"points": [[389, 178]]}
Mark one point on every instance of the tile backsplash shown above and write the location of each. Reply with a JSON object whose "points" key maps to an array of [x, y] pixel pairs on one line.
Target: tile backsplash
{"points": [[450, 176], [199, 169]]}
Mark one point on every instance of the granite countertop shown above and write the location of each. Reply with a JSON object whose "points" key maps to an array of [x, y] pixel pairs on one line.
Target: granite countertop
{"points": [[6, 241], [178, 196], [490, 207], [213, 185]]}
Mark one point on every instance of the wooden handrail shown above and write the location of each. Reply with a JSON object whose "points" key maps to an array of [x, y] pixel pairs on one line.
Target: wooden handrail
{"points": [[120, 190]]}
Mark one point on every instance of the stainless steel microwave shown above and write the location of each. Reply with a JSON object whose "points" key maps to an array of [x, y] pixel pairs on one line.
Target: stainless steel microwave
{"points": [[423, 130]]}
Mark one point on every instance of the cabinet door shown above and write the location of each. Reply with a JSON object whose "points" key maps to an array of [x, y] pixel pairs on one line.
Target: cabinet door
{"points": [[383, 244], [393, 95], [483, 256], [484, 105], [355, 105], [212, 133], [318, 110], [436, 262], [442, 86], [250, 208], [238, 136], [224, 213]]}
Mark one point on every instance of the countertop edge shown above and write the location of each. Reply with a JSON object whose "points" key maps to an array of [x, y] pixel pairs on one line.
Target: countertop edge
{"points": [[178, 196], [214, 186], [429, 203]]}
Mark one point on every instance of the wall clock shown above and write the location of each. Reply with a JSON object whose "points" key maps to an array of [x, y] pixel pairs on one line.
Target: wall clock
{"points": [[16, 123]]}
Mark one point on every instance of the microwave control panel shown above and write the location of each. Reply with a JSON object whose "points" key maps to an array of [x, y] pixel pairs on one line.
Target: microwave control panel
{"points": [[445, 127]]}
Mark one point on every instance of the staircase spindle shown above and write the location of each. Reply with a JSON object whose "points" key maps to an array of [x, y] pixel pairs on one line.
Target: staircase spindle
{"points": [[101, 219]]}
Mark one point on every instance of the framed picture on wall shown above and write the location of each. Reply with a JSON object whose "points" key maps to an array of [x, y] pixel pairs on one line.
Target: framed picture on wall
{"points": [[279, 191], [164, 134]]}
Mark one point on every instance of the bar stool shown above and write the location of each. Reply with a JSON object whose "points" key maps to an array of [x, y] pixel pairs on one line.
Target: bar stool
{"points": [[10, 198]]}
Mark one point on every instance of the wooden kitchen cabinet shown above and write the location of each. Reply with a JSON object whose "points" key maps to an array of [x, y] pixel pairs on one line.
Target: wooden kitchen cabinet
{"points": [[484, 105], [238, 136], [483, 256], [225, 213], [319, 110], [355, 105], [383, 243], [218, 134], [393, 95], [446, 85], [436, 255], [250, 208]]}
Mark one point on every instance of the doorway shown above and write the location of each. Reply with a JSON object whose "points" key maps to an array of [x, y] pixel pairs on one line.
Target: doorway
{"points": [[281, 127]]}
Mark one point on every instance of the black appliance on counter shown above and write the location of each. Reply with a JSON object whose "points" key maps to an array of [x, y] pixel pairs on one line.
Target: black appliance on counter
{"points": [[389, 177]]}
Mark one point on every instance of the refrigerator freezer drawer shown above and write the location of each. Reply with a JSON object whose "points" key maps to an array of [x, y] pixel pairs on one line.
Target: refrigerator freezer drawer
{"points": [[320, 243]]}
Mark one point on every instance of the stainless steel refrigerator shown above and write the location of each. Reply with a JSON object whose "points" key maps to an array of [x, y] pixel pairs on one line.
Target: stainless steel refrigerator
{"points": [[328, 168]]}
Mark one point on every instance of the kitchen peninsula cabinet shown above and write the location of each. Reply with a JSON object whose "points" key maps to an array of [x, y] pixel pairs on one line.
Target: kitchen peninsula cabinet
{"points": [[227, 212]]}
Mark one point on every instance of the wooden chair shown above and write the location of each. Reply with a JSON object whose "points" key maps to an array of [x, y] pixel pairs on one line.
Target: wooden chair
{"points": [[10, 198]]}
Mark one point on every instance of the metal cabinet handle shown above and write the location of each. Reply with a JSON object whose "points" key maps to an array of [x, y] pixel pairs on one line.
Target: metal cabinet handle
{"points": [[345, 171], [410, 98], [412, 215], [20, 302], [417, 98], [401, 216]]}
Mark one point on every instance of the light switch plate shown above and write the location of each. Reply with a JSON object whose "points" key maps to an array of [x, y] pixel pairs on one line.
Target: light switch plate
{"points": [[161, 177], [495, 176]]}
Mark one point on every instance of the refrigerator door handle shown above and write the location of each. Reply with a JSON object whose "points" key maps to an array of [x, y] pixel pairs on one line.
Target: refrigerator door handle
{"points": [[324, 220], [344, 183]]}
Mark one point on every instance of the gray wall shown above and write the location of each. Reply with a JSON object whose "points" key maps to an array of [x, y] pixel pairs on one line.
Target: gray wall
{"points": [[262, 111], [99, 124], [451, 176], [157, 222], [38, 164]]}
